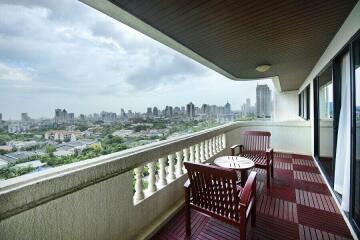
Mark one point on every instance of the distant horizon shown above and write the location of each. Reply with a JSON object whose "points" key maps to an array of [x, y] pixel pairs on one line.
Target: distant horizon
{"points": [[117, 112], [85, 61]]}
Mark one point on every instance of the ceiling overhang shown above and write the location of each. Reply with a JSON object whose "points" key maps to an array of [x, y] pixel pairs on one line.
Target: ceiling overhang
{"points": [[234, 37]]}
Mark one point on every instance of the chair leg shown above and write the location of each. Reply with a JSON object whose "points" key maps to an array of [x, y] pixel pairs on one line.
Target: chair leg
{"points": [[268, 170], [272, 170], [188, 220], [253, 217], [243, 231]]}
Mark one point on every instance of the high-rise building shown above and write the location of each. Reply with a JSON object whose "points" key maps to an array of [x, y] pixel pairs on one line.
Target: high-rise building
{"points": [[190, 110], [82, 117], [61, 116], [263, 101], [149, 112], [227, 108], [183, 110], [177, 111], [155, 111], [0, 117], [205, 109], [70, 118], [168, 111], [24, 117]]}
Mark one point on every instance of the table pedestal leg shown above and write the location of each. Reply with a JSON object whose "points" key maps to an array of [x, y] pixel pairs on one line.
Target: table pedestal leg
{"points": [[244, 176]]}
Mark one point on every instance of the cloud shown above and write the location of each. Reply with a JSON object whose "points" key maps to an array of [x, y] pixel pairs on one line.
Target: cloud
{"points": [[12, 74]]}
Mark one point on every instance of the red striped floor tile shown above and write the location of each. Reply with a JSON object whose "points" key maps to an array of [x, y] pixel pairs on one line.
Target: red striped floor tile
{"points": [[316, 200], [309, 177], [278, 208], [311, 187], [309, 233], [283, 165], [309, 163], [304, 168]]}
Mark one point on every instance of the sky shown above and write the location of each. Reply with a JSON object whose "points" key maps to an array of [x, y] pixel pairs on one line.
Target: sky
{"points": [[65, 54]]}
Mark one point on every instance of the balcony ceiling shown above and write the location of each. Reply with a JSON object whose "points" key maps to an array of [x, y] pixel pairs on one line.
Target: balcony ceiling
{"points": [[233, 37]]}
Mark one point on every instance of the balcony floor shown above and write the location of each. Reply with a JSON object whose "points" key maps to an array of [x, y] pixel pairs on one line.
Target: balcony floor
{"points": [[297, 206]]}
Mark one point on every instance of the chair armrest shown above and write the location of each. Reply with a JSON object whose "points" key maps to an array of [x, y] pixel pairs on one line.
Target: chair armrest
{"points": [[269, 155], [249, 190], [269, 150], [233, 148]]}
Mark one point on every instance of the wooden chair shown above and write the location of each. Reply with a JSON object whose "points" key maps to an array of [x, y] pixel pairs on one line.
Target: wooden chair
{"points": [[213, 190], [257, 148]]}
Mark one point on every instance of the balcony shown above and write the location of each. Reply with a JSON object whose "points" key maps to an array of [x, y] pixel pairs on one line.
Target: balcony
{"points": [[96, 199]]}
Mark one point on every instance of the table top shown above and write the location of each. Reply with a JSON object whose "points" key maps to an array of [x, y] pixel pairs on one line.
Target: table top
{"points": [[234, 162]]}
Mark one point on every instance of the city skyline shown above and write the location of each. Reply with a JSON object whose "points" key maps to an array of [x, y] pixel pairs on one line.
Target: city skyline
{"points": [[63, 113], [120, 68]]}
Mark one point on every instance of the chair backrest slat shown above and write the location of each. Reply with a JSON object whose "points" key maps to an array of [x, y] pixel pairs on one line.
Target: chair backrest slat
{"points": [[256, 142]]}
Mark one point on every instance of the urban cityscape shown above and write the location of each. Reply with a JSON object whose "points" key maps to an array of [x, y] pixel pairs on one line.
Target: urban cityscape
{"points": [[31, 145]]}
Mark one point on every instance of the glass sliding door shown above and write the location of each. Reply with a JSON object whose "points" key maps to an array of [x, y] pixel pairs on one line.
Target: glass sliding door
{"points": [[325, 122], [355, 209]]}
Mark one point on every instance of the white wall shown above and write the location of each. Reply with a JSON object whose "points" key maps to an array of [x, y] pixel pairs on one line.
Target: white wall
{"points": [[286, 106], [287, 137]]}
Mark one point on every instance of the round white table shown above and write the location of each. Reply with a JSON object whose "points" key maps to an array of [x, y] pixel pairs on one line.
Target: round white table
{"points": [[237, 163]]}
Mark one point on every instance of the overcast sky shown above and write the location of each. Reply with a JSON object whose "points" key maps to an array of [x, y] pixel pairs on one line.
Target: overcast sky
{"points": [[64, 54]]}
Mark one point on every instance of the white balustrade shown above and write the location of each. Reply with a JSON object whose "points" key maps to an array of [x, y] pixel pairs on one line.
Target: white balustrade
{"points": [[152, 177], [162, 171], [179, 163], [172, 167], [139, 185]]}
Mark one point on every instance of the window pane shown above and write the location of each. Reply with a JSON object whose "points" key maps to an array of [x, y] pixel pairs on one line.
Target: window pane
{"points": [[356, 177], [326, 122]]}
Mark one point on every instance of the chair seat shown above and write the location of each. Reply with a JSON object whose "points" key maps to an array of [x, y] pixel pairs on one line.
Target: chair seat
{"points": [[258, 159]]}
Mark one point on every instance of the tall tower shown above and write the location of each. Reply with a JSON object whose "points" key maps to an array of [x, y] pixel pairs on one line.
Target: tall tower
{"points": [[263, 101], [190, 110], [227, 108]]}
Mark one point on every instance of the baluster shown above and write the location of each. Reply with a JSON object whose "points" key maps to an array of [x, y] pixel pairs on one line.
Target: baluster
{"points": [[202, 152], [179, 167], [139, 185], [219, 143], [206, 150], [213, 146], [152, 177], [210, 148], [162, 172], [192, 154], [172, 166], [216, 144], [186, 155], [224, 141], [197, 153]]}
